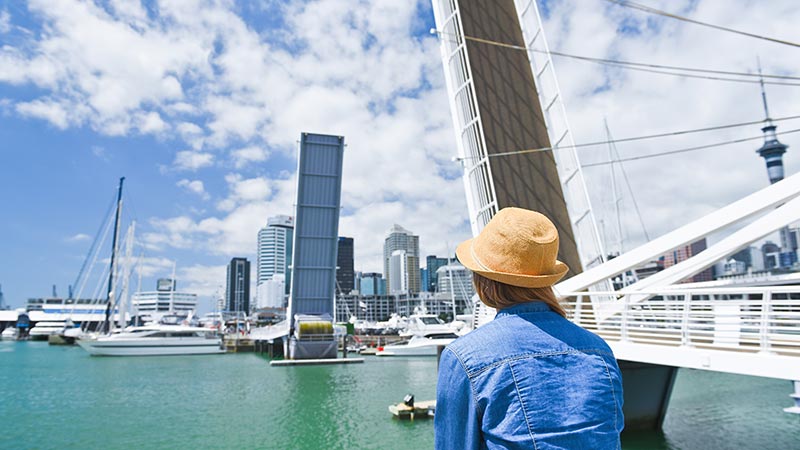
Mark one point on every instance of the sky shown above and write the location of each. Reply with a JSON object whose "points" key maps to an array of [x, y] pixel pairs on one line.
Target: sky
{"points": [[200, 104]]}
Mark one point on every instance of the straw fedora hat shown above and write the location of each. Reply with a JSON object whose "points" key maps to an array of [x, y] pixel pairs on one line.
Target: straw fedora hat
{"points": [[517, 247]]}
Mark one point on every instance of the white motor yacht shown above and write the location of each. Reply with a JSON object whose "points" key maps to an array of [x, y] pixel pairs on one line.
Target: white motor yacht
{"points": [[42, 330], [154, 340], [418, 345], [10, 334]]}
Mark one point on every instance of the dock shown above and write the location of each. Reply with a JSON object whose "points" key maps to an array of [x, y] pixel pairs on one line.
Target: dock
{"points": [[313, 362]]}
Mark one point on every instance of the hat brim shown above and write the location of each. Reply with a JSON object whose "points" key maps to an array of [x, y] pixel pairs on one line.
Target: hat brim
{"points": [[514, 279]]}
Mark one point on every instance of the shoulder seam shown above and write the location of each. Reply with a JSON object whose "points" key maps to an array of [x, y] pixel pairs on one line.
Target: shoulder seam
{"points": [[533, 355]]}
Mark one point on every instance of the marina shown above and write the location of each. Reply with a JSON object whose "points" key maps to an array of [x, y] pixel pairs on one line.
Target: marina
{"points": [[297, 325], [234, 401]]}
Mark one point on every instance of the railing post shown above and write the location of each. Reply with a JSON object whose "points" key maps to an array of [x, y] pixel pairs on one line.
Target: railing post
{"points": [[687, 306], [626, 301], [766, 309], [576, 316]]}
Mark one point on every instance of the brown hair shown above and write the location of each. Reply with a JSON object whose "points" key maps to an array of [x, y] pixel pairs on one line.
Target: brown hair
{"points": [[500, 295]]}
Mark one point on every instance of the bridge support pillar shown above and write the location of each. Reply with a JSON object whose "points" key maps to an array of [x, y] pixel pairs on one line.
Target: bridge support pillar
{"points": [[647, 389]]}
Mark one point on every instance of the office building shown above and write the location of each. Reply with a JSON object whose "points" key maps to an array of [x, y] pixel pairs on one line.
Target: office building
{"points": [[237, 290], [345, 273], [398, 273], [398, 238], [433, 262], [274, 256], [165, 299], [372, 283]]}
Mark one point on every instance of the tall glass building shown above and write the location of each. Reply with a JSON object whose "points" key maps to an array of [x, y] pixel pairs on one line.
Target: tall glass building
{"points": [[345, 273], [398, 238], [275, 251]]}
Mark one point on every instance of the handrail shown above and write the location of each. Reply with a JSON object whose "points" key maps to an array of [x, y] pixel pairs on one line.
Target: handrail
{"points": [[747, 319]]}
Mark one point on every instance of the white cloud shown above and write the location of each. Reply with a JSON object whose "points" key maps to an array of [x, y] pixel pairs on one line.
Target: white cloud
{"points": [[80, 237], [45, 109], [248, 155], [5, 22], [191, 160], [208, 282], [235, 97], [194, 186], [100, 152]]}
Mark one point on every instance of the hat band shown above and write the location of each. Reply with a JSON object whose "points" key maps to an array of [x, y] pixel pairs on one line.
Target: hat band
{"points": [[475, 257]]}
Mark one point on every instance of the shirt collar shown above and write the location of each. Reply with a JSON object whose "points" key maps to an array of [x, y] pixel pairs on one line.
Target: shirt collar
{"points": [[522, 308]]}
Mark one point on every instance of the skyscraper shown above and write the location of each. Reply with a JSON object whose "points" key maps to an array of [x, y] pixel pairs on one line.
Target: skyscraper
{"points": [[398, 238], [433, 263], [772, 151], [275, 251], [398, 272], [345, 274], [237, 290]]}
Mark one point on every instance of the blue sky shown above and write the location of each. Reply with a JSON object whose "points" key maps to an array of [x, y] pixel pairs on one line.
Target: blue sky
{"points": [[192, 110], [199, 105]]}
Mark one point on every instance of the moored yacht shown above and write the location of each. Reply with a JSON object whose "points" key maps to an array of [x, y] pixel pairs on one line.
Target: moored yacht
{"points": [[418, 345], [154, 340], [42, 330]]}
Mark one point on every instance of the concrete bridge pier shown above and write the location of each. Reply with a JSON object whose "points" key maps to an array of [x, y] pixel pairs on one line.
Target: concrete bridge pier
{"points": [[647, 389]]}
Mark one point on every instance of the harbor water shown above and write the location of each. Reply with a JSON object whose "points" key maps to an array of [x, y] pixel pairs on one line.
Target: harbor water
{"points": [[59, 397]]}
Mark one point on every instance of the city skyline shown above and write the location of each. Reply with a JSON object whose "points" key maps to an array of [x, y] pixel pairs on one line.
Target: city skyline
{"points": [[207, 145]]}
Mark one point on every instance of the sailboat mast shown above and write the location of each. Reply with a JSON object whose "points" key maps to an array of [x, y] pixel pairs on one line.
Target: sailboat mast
{"points": [[113, 255]]}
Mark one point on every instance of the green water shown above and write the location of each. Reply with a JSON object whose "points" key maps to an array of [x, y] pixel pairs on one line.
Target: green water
{"points": [[59, 397]]}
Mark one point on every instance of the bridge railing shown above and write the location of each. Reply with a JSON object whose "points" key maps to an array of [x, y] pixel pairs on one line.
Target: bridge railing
{"points": [[765, 320]]}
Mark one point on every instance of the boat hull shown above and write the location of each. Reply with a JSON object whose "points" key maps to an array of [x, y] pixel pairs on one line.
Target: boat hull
{"points": [[158, 347], [60, 339]]}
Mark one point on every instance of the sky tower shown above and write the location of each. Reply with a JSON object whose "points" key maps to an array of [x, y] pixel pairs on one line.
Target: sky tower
{"points": [[772, 151]]}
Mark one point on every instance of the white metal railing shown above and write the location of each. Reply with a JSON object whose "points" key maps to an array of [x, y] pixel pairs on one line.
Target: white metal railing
{"points": [[754, 320]]}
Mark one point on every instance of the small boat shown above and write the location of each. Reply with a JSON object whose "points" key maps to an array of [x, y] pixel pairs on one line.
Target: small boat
{"points": [[418, 345], [408, 409], [42, 330], [154, 340], [10, 334]]}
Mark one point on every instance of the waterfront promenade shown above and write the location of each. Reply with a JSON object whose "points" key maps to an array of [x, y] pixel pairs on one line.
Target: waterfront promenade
{"points": [[59, 397]]}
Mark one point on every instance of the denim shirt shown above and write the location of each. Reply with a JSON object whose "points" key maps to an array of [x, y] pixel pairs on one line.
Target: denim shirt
{"points": [[529, 379]]}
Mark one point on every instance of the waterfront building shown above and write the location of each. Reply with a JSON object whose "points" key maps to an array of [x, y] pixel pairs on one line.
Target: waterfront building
{"points": [[345, 273], [455, 281], [681, 254], [433, 262], [771, 254], [423, 279], [398, 238], [752, 257], [271, 293], [237, 290], [165, 299], [375, 308], [274, 256], [734, 267]]}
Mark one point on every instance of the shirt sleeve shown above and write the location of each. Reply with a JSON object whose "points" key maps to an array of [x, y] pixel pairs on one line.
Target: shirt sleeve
{"points": [[456, 421]]}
